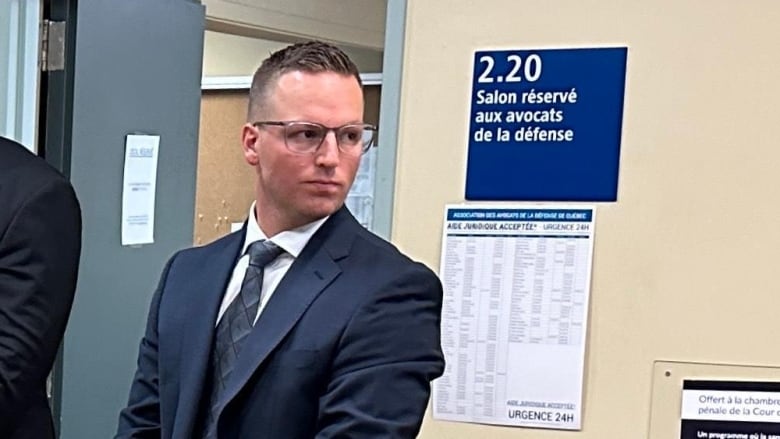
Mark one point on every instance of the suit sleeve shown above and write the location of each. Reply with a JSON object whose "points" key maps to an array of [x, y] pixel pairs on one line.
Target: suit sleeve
{"points": [[39, 258], [387, 357], [141, 417]]}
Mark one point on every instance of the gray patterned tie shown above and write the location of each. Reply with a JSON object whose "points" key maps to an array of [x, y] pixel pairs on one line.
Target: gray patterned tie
{"points": [[235, 325]]}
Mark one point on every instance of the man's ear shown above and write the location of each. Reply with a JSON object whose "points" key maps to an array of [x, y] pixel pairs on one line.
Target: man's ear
{"points": [[250, 137]]}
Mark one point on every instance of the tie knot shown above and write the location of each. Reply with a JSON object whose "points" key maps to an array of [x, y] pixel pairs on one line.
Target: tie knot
{"points": [[262, 252]]}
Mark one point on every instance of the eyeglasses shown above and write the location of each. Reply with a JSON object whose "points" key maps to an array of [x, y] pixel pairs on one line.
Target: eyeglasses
{"points": [[306, 137]]}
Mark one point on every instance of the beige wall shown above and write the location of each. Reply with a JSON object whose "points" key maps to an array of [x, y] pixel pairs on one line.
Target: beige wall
{"points": [[359, 23], [685, 262], [233, 55]]}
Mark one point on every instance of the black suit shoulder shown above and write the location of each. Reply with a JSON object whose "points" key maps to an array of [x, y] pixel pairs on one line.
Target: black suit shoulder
{"points": [[24, 175], [15, 160]]}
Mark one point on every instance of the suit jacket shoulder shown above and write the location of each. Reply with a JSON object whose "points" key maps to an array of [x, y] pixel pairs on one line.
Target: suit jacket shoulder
{"points": [[22, 176], [342, 235], [203, 253], [15, 160]]}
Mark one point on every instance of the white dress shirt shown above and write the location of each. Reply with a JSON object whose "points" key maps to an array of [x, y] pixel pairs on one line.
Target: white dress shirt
{"points": [[291, 241]]}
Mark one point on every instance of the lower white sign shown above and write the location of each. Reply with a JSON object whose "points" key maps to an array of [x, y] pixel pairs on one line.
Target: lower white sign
{"points": [[730, 410], [516, 285]]}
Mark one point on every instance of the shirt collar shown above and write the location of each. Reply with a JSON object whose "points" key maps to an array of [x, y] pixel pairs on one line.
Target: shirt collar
{"points": [[292, 241]]}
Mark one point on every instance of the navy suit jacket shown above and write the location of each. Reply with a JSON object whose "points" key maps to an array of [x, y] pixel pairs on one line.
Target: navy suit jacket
{"points": [[345, 348]]}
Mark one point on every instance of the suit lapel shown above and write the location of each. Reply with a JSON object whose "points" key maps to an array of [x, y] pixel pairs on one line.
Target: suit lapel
{"points": [[313, 270], [207, 284]]}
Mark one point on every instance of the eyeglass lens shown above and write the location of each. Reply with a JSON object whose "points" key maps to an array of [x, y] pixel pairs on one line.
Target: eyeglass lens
{"points": [[306, 136]]}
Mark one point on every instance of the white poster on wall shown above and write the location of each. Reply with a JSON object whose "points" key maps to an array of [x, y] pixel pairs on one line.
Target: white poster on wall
{"points": [[360, 199], [516, 286], [139, 187]]}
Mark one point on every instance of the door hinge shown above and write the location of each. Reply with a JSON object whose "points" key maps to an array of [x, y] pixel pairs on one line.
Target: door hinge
{"points": [[52, 46]]}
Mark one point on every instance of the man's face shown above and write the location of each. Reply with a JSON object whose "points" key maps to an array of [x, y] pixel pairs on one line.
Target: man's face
{"points": [[294, 189]]}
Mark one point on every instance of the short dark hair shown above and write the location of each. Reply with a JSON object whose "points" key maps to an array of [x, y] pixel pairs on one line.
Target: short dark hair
{"points": [[309, 57]]}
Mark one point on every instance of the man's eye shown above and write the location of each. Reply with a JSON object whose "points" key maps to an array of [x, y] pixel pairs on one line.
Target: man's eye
{"points": [[351, 135], [303, 133]]}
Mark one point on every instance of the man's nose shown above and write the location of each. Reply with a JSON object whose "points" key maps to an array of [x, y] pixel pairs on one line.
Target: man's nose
{"points": [[328, 152]]}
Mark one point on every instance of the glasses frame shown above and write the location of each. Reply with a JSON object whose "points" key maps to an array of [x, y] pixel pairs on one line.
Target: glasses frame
{"points": [[287, 123]]}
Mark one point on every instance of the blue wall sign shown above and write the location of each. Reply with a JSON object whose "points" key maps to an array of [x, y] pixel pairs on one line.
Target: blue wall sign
{"points": [[545, 124]]}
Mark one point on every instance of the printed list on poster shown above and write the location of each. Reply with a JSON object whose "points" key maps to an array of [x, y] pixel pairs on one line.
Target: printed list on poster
{"points": [[516, 287]]}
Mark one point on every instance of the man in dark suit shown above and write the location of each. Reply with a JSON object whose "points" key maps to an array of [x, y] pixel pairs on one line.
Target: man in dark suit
{"points": [[338, 336], [40, 243]]}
